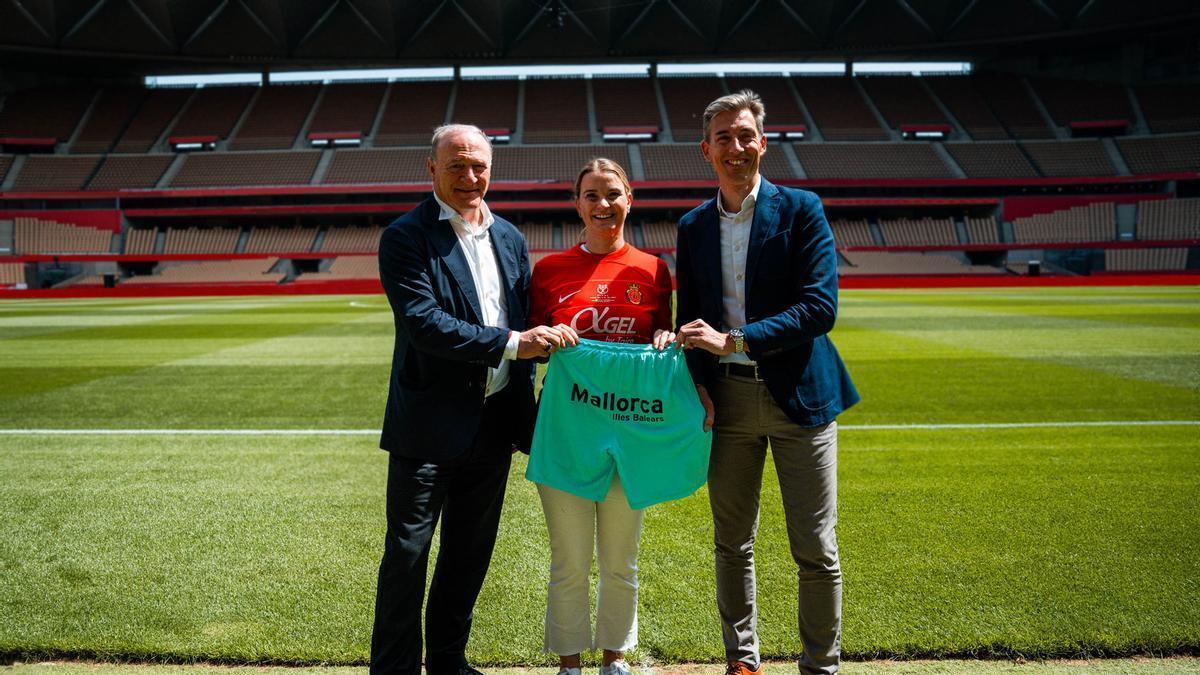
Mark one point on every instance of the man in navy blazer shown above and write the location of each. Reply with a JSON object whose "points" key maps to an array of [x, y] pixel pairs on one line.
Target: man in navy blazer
{"points": [[460, 400], [757, 281]]}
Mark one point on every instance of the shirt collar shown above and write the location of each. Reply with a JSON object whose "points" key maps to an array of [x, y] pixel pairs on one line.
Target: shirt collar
{"points": [[747, 203], [461, 225]]}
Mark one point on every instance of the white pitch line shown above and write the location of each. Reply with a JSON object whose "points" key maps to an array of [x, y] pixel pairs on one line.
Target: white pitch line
{"points": [[375, 432]]}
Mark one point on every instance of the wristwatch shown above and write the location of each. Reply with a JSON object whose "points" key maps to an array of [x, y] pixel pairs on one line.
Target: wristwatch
{"points": [[739, 340]]}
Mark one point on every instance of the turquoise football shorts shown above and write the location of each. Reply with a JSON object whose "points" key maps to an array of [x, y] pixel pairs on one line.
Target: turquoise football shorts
{"points": [[629, 408]]}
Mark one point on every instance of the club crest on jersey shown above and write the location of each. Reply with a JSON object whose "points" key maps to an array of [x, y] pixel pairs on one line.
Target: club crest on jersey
{"points": [[634, 294], [601, 289], [602, 295]]}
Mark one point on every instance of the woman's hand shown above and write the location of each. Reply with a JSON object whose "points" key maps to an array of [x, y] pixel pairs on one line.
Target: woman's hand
{"points": [[706, 402], [662, 338]]}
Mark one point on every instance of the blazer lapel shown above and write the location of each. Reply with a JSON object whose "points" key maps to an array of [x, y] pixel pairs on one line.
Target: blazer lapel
{"points": [[706, 242], [766, 211], [445, 243]]}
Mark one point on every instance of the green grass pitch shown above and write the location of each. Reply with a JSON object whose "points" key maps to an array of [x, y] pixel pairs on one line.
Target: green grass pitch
{"points": [[1041, 541]]}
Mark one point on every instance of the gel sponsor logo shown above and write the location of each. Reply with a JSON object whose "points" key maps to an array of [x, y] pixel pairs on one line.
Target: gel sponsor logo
{"points": [[593, 320]]}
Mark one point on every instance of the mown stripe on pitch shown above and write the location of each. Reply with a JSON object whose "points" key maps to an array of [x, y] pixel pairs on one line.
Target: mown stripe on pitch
{"points": [[375, 432]]}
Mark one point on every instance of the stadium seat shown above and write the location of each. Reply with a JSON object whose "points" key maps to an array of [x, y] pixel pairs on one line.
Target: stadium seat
{"points": [[202, 239], [247, 168], [43, 173], [140, 240], [1010, 101], [559, 163], [1070, 158], [488, 104], [556, 111], [625, 102], [1169, 219], [870, 160], [51, 112], [275, 120], [902, 100], [1145, 259], [839, 109], [352, 239], [1170, 108], [960, 97], [33, 235], [125, 172], [277, 239], [850, 233], [999, 159], [918, 231], [110, 115], [378, 166], [213, 111], [412, 111], [348, 107], [158, 109], [1161, 154], [1089, 223], [685, 99], [255, 270]]}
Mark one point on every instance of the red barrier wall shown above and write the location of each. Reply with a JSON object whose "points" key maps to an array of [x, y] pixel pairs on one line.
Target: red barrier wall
{"points": [[1023, 207], [105, 219]]}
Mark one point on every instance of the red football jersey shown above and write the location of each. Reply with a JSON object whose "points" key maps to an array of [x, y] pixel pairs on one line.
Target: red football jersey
{"points": [[623, 296]]}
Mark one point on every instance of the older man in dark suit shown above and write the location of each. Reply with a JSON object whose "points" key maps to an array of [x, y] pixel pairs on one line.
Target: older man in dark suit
{"points": [[459, 402], [757, 278]]}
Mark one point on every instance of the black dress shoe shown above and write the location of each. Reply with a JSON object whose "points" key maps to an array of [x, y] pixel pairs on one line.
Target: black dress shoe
{"points": [[461, 670]]}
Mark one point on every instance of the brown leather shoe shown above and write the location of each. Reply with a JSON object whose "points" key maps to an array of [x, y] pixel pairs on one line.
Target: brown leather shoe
{"points": [[741, 668]]}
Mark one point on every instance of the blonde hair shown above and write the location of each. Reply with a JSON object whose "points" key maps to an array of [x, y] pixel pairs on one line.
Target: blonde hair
{"points": [[602, 165]]}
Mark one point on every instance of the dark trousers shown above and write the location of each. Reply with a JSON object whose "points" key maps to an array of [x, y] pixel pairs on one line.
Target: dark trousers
{"points": [[467, 494]]}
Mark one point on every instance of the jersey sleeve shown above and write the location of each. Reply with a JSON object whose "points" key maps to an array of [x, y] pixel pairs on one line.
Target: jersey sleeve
{"points": [[662, 297], [538, 305]]}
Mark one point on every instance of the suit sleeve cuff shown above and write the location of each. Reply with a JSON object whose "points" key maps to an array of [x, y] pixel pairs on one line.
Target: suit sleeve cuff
{"points": [[510, 349]]}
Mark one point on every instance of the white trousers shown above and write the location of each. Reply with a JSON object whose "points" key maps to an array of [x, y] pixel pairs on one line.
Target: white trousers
{"points": [[578, 527]]}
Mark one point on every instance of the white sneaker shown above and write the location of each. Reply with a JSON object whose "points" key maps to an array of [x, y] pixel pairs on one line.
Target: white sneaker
{"points": [[616, 668]]}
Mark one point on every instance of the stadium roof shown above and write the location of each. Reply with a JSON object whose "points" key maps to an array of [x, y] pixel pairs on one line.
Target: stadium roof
{"points": [[164, 34]]}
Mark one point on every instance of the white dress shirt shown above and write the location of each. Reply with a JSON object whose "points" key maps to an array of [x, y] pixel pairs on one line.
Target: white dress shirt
{"points": [[476, 243], [735, 239]]}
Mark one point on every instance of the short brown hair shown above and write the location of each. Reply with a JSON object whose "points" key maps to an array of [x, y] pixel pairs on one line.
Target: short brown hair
{"points": [[601, 165], [743, 100]]}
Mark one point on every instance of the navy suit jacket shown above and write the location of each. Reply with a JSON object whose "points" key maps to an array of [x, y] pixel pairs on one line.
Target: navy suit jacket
{"points": [[791, 300], [442, 351]]}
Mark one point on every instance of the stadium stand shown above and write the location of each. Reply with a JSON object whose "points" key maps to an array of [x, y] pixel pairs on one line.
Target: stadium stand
{"points": [[158, 109], [488, 104], [777, 97], [848, 232], [345, 267], [884, 262], [624, 101], [140, 240], [1161, 154], [1171, 107], [108, 118], [352, 239], [213, 111], [5, 162], [1002, 159], [247, 168], [538, 236], [413, 110], [556, 111], [130, 172], [659, 234], [684, 162], [201, 239], [871, 160], [37, 235], [44, 113], [211, 272], [378, 166], [685, 99], [1091, 223], [918, 231], [1070, 158], [12, 274], [959, 96], [839, 109], [277, 117], [1083, 101], [44, 173], [558, 163], [278, 239], [1145, 259], [675, 162], [348, 107], [1169, 219], [982, 230], [1007, 97], [902, 100]]}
